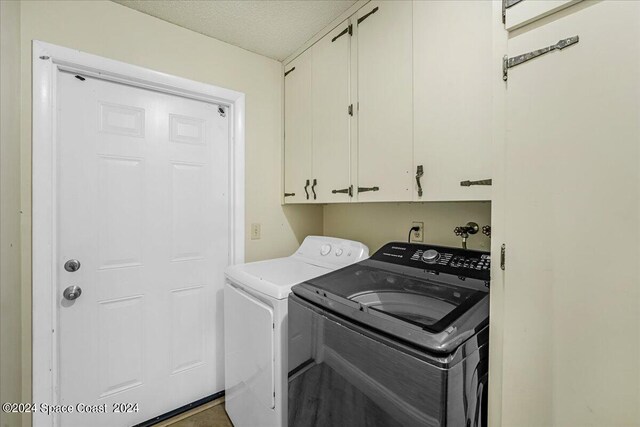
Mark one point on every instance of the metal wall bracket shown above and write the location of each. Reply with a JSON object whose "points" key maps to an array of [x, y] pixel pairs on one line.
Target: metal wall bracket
{"points": [[520, 59]]}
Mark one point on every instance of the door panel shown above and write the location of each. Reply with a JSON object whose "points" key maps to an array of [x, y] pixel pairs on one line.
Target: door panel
{"points": [[143, 205], [452, 98], [385, 99], [571, 345], [298, 131], [250, 352], [331, 119]]}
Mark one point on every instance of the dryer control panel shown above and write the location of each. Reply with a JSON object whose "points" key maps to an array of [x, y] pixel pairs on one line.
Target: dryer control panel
{"points": [[458, 261]]}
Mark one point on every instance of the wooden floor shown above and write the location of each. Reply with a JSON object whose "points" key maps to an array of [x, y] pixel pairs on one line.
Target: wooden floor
{"points": [[211, 414]]}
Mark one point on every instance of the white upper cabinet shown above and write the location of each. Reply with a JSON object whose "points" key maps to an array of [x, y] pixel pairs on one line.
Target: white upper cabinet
{"points": [[385, 128], [331, 117], [298, 129], [395, 89], [452, 99]]}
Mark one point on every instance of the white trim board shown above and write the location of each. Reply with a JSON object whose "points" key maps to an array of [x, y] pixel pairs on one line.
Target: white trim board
{"points": [[49, 59]]}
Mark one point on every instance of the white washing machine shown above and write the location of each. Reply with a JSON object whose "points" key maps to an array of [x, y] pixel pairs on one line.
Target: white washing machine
{"points": [[256, 333]]}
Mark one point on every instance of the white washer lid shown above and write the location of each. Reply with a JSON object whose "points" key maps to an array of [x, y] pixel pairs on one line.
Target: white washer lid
{"points": [[273, 277]]}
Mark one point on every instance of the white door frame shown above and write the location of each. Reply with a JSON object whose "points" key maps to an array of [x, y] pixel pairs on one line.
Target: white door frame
{"points": [[48, 59]]}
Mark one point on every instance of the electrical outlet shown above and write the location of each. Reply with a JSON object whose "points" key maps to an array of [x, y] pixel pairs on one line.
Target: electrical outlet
{"points": [[417, 236], [255, 231]]}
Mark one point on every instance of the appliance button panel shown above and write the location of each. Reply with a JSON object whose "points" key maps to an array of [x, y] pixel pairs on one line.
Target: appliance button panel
{"points": [[325, 249], [482, 263]]}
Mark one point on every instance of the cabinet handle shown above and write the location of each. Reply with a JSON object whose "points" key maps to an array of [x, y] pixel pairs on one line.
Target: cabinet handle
{"points": [[348, 191], [289, 194], [313, 188], [305, 189], [479, 182], [365, 189], [363, 17], [287, 72], [419, 173]]}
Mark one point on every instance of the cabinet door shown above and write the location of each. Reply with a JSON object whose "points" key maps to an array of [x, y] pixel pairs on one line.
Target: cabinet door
{"points": [[297, 128], [385, 112], [452, 98], [571, 295], [331, 119]]}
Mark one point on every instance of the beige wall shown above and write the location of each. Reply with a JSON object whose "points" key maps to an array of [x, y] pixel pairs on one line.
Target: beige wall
{"points": [[10, 316], [378, 223], [114, 31]]}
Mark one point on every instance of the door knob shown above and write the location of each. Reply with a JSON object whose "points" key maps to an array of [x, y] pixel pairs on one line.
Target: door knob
{"points": [[72, 265], [72, 292]]}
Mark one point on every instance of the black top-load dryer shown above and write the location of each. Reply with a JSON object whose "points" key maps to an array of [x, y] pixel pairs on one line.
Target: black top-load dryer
{"points": [[400, 339]]}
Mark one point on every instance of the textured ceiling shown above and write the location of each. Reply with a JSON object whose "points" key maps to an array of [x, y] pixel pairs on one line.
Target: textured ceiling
{"points": [[273, 28]]}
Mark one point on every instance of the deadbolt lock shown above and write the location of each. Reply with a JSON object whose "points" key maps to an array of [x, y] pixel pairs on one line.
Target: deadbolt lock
{"points": [[72, 265]]}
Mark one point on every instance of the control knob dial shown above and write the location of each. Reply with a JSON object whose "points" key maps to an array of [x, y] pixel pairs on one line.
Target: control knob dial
{"points": [[430, 256]]}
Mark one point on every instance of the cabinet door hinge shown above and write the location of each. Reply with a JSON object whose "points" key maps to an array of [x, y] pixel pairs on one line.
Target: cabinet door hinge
{"points": [[350, 110], [506, 4], [503, 250], [348, 190], [363, 17], [348, 30], [520, 59]]}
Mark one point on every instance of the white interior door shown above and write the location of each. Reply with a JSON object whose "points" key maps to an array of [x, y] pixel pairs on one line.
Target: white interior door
{"points": [[571, 344], [144, 207]]}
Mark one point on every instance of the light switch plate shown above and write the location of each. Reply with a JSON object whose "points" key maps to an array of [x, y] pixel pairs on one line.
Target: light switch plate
{"points": [[417, 236], [255, 231]]}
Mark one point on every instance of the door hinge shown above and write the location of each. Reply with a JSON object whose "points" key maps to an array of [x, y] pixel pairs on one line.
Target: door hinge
{"points": [[503, 250], [287, 72], [520, 59], [506, 4], [363, 17], [479, 182], [365, 189], [348, 191], [350, 110], [348, 30]]}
